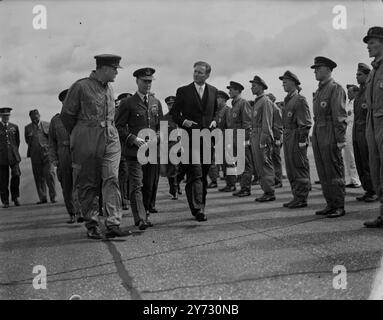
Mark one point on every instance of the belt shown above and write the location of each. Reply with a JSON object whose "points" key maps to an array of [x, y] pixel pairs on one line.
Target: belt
{"points": [[97, 123], [323, 119]]}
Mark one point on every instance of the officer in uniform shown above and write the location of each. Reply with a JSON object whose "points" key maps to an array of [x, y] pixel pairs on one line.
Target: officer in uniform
{"points": [[329, 136], [9, 158], [260, 124], [277, 133], [37, 138], [88, 115], [359, 136], [60, 156], [296, 127], [123, 176], [374, 129], [171, 169], [141, 111]]}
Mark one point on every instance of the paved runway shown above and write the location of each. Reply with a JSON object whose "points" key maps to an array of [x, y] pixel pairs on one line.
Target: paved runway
{"points": [[246, 250]]}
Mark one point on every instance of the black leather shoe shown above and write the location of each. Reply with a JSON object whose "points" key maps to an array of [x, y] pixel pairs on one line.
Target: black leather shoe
{"points": [[95, 233], [117, 232], [244, 193], [174, 196], [371, 198], [324, 211], [148, 223], [353, 185], [297, 205], [265, 198], [153, 210], [362, 197], [6, 205], [200, 216], [71, 220], [227, 189], [53, 201], [377, 223], [80, 219], [42, 202], [336, 213], [286, 205], [141, 225], [16, 202], [212, 185]]}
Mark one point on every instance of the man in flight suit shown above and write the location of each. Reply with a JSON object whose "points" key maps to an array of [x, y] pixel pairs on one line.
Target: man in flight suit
{"points": [[296, 127], [329, 136], [260, 123], [9, 158], [359, 136], [141, 111], [37, 138], [88, 115], [60, 156], [374, 129]]}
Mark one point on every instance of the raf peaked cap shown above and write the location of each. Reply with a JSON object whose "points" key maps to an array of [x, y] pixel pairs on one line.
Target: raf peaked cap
{"points": [[260, 81], [5, 111], [123, 95], [323, 61], [144, 73], [235, 86], [170, 99], [353, 86], [110, 60], [223, 94], [62, 95], [291, 76], [364, 68], [373, 32]]}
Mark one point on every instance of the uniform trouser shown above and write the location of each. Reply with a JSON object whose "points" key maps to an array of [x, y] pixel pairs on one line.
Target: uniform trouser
{"points": [[65, 176], [374, 136], [329, 164], [123, 178], [248, 172], [151, 173], [213, 170], [171, 173], [349, 160], [44, 174], [135, 171], [277, 163], [297, 166], [87, 178], [362, 158], [4, 182], [229, 178], [263, 162]]}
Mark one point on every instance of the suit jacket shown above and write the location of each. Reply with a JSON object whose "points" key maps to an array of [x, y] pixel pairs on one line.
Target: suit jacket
{"points": [[29, 133], [133, 116], [188, 105], [9, 144]]}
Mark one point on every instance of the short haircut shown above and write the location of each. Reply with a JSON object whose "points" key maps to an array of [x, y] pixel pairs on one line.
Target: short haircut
{"points": [[203, 64], [34, 111]]}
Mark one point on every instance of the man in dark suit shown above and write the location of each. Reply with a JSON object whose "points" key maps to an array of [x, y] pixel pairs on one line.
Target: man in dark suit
{"points": [[195, 107], [37, 138], [9, 158]]}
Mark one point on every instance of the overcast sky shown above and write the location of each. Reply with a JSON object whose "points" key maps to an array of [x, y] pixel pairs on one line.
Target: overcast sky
{"points": [[238, 38]]}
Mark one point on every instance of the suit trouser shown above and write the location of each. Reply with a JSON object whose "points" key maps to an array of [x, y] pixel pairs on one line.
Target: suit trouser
{"points": [[4, 182], [87, 179], [329, 164], [297, 166], [277, 163], [44, 175], [374, 136], [123, 178], [135, 171], [65, 176], [349, 159], [249, 169], [361, 158], [171, 173], [263, 162], [150, 179]]}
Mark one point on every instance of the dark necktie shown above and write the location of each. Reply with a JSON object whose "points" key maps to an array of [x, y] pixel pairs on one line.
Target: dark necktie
{"points": [[146, 101]]}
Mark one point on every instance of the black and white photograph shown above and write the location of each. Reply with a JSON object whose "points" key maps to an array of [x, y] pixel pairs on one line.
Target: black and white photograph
{"points": [[205, 152]]}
